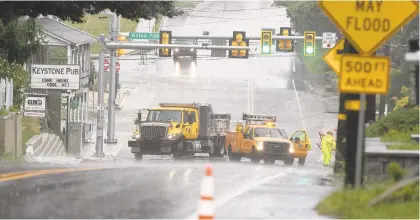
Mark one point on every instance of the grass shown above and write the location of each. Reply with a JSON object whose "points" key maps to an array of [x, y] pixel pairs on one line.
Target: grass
{"points": [[410, 146], [96, 26], [353, 203], [315, 63], [402, 138], [30, 127]]}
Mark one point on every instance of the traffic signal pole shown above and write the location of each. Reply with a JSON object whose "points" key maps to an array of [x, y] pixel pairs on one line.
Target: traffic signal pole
{"points": [[99, 147], [112, 80]]}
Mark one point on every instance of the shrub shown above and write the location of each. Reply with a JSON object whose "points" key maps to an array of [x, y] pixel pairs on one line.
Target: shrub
{"points": [[395, 171], [402, 120]]}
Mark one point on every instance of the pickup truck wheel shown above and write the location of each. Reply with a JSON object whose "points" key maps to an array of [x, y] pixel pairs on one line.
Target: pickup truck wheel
{"points": [[302, 161], [269, 161], [254, 159], [138, 156], [289, 161], [232, 156]]}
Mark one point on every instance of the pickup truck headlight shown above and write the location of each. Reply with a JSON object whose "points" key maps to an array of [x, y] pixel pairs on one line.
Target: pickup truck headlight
{"points": [[176, 49], [171, 136], [191, 49], [260, 145], [136, 136], [291, 148]]}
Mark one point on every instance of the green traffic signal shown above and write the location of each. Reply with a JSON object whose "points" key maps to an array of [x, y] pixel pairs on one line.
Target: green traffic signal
{"points": [[309, 49], [309, 45]]}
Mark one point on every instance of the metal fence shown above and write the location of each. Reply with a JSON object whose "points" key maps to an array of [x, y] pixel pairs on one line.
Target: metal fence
{"points": [[6, 94]]}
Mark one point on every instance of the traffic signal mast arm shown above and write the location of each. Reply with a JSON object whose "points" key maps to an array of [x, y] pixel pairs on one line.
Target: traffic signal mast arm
{"points": [[208, 37], [139, 45]]}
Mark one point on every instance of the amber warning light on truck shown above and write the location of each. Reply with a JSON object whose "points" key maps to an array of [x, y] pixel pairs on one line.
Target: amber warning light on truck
{"points": [[58, 77]]}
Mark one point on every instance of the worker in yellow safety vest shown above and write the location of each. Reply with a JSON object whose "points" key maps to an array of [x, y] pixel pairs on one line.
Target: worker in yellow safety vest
{"points": [[327, 146]]}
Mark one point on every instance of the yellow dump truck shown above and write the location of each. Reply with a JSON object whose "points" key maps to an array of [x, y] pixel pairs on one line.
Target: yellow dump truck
{"points": [[180, 129], [262, 140]]}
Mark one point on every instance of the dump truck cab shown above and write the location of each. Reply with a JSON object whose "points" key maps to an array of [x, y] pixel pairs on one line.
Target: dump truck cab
{"points": [[180, 129], [258, 138]]}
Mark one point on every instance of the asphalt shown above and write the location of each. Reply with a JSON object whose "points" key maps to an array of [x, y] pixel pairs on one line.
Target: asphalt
{"points": [[159, 187]]}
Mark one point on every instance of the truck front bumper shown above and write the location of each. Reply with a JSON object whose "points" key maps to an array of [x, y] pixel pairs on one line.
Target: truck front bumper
{"points": [[152, 146], [272, 156]]}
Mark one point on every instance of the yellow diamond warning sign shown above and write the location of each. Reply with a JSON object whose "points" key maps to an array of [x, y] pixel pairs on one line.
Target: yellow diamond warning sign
{"points": [[332, 58], [368, 24], [368, 75]]}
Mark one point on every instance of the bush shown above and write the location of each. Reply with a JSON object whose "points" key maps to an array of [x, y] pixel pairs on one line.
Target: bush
{"points": [[402, 120], [395, 171]]}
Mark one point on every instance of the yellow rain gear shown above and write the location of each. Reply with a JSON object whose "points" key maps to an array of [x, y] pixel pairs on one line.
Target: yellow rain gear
{"points": [[327, 145]]}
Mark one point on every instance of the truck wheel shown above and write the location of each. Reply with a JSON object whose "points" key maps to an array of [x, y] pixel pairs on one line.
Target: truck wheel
{"points": [[177, 156], [232, 156], [269, 161], [302, 161], [289, 161], [178, 149], [254, 159], [138, 156]]}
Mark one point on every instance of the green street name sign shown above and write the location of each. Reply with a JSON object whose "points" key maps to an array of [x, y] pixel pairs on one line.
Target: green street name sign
{"points": [[143, 36]]}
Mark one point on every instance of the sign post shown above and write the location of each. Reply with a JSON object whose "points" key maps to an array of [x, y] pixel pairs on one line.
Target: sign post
{"points": [[366, 25]]}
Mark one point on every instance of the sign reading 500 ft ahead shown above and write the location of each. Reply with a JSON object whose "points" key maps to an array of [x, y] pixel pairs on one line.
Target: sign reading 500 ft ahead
{"points": [[64, 77]]}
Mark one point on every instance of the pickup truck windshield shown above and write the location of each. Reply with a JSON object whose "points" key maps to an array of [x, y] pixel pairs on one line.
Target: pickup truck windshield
{"points": [[269, 132], [165, 115]]}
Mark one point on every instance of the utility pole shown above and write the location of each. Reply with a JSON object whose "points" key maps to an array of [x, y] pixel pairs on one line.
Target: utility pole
{"points": [[112, 79], [99, 148], [340, 153], [355, 139]]}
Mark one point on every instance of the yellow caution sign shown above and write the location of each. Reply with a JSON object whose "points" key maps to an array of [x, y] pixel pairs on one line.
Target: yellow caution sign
{"points": [[332, 58], [368, 75], [368, 24]]}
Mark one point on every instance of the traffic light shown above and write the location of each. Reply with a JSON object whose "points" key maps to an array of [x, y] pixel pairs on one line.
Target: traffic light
{"points": [[309, 43], [285, 45], [120, 52], [239, 39], [121, 38], [165, 38], [266, 41]]}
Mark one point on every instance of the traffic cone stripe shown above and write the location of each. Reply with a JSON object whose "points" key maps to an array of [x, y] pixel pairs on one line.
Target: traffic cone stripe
{"points": [[206, 197], [206, 208], [205, 217]]}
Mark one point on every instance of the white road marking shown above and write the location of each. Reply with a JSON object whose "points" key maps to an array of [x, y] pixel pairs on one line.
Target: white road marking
{"points": [[187, 172], [238, 192], [171, 174], [297, 98]]}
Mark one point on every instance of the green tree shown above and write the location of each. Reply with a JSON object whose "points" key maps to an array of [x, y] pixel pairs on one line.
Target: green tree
{"points": [[20, 37], [74, 10]]}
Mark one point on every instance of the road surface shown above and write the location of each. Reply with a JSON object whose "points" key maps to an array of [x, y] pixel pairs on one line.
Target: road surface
{"points": [[159, 187]]}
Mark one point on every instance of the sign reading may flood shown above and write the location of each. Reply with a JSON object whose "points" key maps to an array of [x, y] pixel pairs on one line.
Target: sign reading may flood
{"points": [[35, 104], [369, 75], [63, 77], [368, 24]]}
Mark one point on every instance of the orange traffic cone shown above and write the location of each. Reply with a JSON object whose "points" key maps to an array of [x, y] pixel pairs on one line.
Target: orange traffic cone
{"points": [[206, 207]]}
